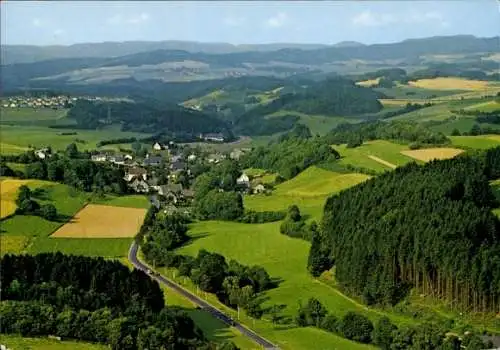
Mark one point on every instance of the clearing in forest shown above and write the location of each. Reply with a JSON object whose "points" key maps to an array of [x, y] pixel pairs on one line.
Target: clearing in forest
{"points": [[102, 221], [368, 83], [429, 154], [450, 84]]}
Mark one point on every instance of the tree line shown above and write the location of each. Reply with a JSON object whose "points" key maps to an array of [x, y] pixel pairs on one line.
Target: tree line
{"points": [[72, 168], [447, 246], [290, 156], [384, 334], [399, 131]]}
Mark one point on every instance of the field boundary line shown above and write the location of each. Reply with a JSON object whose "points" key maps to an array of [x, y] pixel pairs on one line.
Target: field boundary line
{"points": [[384, 162]]}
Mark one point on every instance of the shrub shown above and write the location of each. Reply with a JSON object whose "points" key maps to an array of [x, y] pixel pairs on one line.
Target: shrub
{"points": [[356, 327]]}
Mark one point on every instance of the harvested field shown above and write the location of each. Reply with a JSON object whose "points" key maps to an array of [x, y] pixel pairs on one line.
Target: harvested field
{"points": [[429, 154], [102, 221], [450, 84], [8, 195], [368, 83]]}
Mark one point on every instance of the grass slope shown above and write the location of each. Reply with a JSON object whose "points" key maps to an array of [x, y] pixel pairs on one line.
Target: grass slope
{"points": [[30, 114], [385, 150], [37, 136], [19, 343], [308, 190], [106, 247], [476, 142]]}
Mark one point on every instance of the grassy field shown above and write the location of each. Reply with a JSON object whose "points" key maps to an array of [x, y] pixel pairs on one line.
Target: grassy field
{"points": [[7, 148], [102, 221], [319, 124], [130, 201], [489, 106], [19, 343], [106, 247], [308, 190], [37, 136], [369, 153], [8, 194], [368, 83], [30, 114], [450, 83], [476, 142], [462, 124], [428, 154], [401, 91], [13, 244]]}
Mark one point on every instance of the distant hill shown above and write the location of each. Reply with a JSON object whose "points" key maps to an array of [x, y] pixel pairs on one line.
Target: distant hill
{"points": [[115, 63]]}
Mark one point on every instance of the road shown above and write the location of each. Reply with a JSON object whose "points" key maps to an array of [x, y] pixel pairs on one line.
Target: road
{"points": [[132, 256]]}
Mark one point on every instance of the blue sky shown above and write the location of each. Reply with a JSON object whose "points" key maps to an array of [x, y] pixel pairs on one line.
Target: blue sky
{"points": [[64, 23]]}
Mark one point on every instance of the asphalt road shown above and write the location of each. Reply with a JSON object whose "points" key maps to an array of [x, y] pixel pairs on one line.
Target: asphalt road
{"points": [[132, 256]]}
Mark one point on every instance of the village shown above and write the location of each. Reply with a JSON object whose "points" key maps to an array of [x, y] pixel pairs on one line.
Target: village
{"points": [[166, 172]]}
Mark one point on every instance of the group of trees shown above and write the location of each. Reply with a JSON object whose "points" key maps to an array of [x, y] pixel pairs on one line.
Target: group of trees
{"points": [[384, 333], [26, 205], [90, 299], [392, 131], [75, 169], [295, 225], [447, 246], [290, 156]]}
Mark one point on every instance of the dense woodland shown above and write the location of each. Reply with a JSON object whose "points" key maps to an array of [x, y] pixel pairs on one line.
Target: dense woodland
{"points": [[398, 131], [448, 246], [93, 300], [290, 155], [150, 117]]}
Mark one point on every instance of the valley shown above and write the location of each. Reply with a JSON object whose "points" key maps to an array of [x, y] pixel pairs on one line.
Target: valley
{"points": [[320, 196]]}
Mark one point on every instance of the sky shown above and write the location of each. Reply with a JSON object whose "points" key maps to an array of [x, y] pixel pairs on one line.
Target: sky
{"points": [[243, 22]]}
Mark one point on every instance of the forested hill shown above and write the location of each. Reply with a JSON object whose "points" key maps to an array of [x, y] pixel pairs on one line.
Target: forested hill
{"points": [[333, 96], [382, 244], [145, 116]]}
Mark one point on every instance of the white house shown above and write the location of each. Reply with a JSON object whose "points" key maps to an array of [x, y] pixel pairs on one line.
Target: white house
{"points": [[259, 189], [243, 180], [42, 153], [99, 157], [157, 146], [192, 157], [128, 157]]}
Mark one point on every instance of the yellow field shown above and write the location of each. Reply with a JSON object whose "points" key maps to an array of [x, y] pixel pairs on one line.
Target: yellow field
{"points": [[8, 195], [368, 83], [12, 244], [450, 84], [102, 221], [429, 154]]}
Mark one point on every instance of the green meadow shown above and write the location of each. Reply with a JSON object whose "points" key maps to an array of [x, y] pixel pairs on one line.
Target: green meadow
{"points": [[38, 136], [318, 124], [20, 343], [387, 151], [308, 190], [29, 114], [476, 142]]}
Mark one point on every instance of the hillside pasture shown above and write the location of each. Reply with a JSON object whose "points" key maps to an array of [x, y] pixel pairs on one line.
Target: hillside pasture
{"points": [[101, 221], [450, 83], [489, 106], [30, 114], [16, 342], [318, 124], [58, 139], [476, 142], [377, 155], [403, 91], [428, 154], [7, 148], [308, 190]]}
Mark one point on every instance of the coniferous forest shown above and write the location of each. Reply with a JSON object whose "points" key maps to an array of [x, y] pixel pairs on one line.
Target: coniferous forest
{"points": [[426, 227], [90, 299]]}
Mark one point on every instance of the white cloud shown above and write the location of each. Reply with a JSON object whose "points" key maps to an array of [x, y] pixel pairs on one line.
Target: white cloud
{"points": [[371, 19], [58, 32], [120, 19], [278, 20], [233, 21]]}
